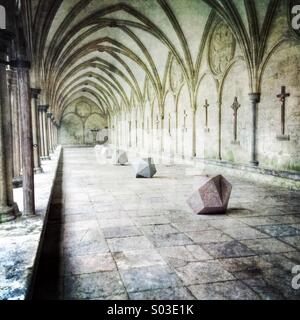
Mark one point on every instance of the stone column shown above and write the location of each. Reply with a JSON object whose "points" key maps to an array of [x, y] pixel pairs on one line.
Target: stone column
{"points": [[35, 130], [8, 209], [15, 116], [23, 67], [44, 131], [53, 133], [162, 133], [49, 125], [254, 99], [220, 129], [194, 134], [56, 133], [41, 137]]}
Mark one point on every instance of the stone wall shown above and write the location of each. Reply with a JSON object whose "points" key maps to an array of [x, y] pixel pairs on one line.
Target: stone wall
{"points": [[77, 121], [180, 127]]}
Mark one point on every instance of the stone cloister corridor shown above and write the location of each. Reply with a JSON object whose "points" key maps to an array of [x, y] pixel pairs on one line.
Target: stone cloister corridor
{"points": [[149, 150], [111, 236]]}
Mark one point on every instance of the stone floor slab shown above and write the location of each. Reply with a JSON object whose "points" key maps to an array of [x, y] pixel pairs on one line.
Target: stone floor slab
{"points": [[77, 265], [121, 232], [203, 272], [227, 249], [158, 229], [149, 278], [250, 264], [208, 236], [93, 286], [192, 226], [229, 290], [270, 245], [293, 241], [169, 239], [137, 259], [245, 233], [180, 293], [129, 244], [279, 230]]}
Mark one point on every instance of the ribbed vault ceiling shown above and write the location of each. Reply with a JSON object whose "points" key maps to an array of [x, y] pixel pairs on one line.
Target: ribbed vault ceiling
{"points": [[115, 53]]}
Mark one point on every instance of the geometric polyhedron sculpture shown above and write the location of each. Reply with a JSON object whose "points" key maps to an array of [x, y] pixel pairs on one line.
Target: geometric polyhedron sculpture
{"points": [[144, 168], [212, 196], [106, 152], [120, 157]]}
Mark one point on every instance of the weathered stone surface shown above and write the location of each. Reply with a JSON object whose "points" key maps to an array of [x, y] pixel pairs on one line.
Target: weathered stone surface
{"points": [[229, 290], [103, 153], [79, 120], [107, 152], [179, 293], [144, 168], [20, 239], [120, 157], [203, 272], [149, 278], [141, 247], [92, 286], [212, 196]]}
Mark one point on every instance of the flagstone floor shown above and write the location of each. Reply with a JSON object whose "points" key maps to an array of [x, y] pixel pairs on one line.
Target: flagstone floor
{"points": [[112, 236]]}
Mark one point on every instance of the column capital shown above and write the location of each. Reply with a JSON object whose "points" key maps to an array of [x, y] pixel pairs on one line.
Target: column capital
{"points": [[43, 108], [20, 64], [35, 93], [49, 115], [255, 97]]}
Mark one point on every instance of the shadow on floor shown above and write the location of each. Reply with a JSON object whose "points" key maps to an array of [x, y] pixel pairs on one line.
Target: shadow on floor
{"points": [[48, 285]]}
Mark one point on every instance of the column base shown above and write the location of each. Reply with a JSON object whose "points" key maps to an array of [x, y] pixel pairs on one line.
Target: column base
{"points": [[254, 163], [8, 214], [38, 170], [17, 182], [46, 158]]}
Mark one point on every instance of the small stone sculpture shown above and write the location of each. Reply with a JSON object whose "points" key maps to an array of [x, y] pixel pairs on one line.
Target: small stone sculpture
{"points": [[212, 196], [144, 168], [106, 152], [120, 157]]}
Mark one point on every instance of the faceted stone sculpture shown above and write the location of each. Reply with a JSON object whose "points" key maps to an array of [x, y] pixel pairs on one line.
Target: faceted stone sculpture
{"points": [[106, 152], [144, 168], [120, 157], [212, 196]]}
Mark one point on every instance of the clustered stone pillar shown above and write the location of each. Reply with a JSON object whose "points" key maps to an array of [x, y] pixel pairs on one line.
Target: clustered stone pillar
{"points": [[53, 126], [23, 67], [52, 131], [254, 99], [49, 135], [35, 130], [41, 137], [220, 129], [15, 114], [55, 134], [8, 209], [44, 132]]}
